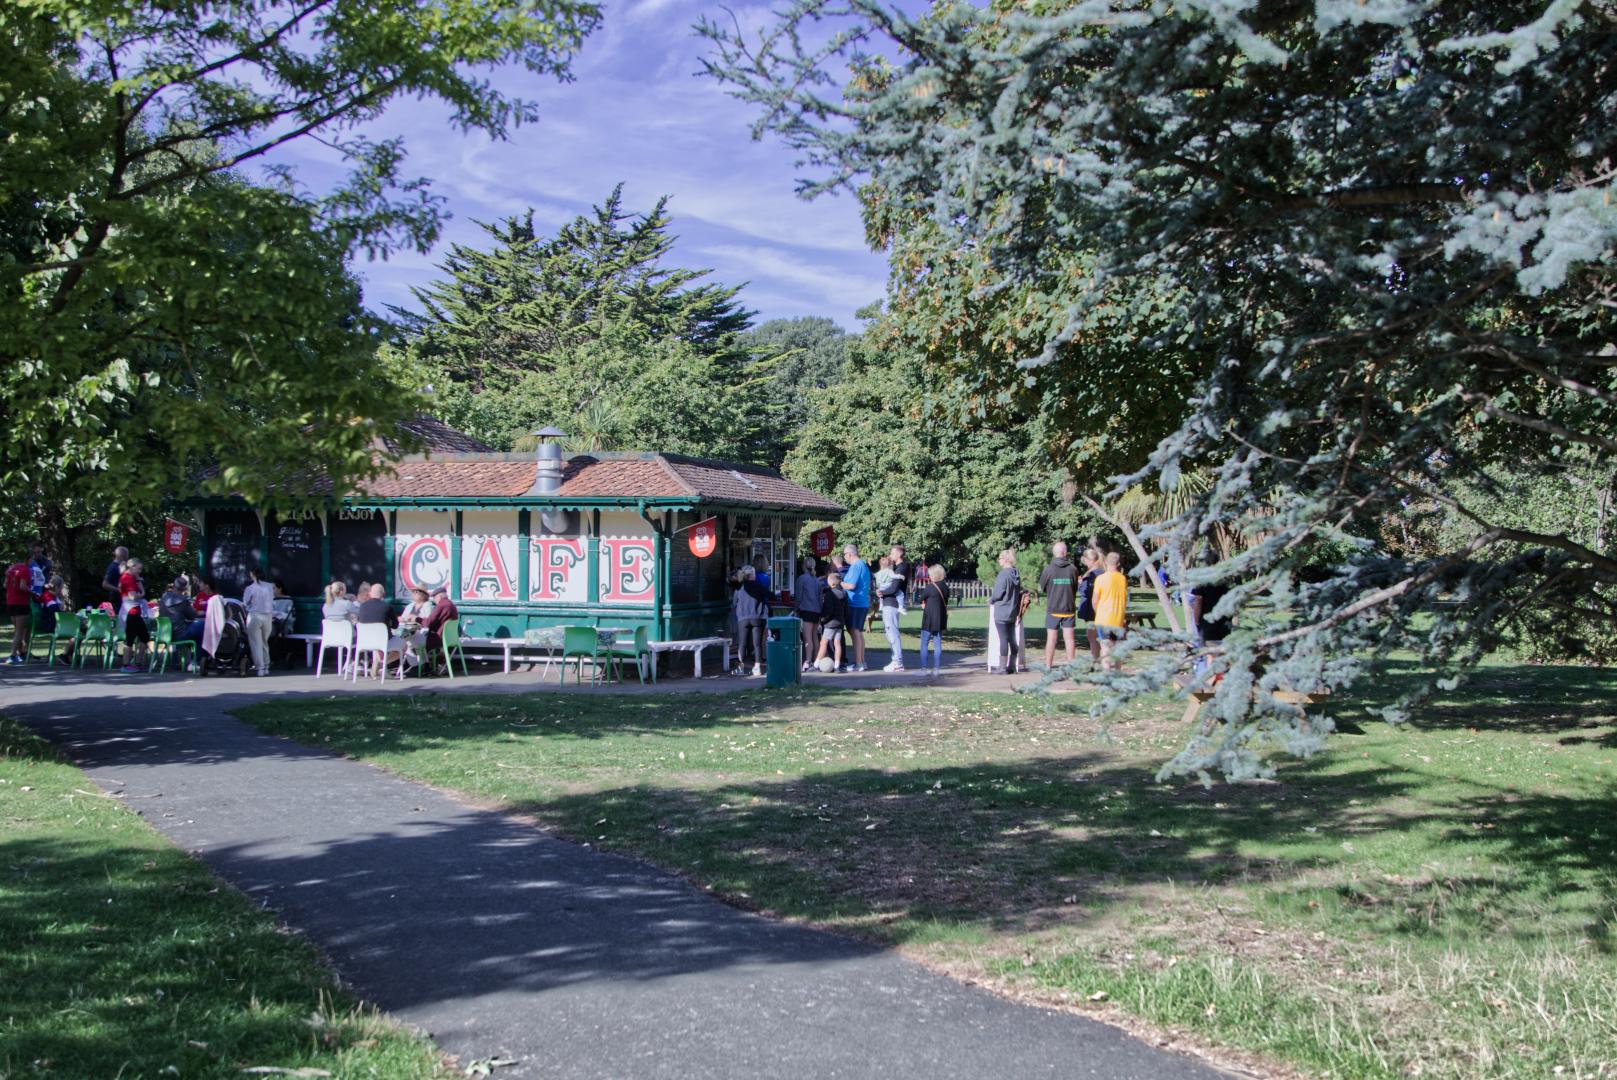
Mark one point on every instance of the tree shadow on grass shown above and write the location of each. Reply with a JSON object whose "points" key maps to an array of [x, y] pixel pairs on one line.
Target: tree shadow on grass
{"points": [[1011, 845], [1577, 703], [1034, 844], [125, 961]]}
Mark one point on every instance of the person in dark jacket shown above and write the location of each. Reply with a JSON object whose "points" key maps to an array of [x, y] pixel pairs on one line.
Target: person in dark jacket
{"points": [[934, 618], [1092, 561], [833, 617], [807, 590], [752, 613], [1005, 604], [1059, 584]]}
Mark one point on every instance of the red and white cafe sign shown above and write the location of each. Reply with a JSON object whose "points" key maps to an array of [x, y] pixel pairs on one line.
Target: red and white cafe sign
{"points": [[558, 570]]}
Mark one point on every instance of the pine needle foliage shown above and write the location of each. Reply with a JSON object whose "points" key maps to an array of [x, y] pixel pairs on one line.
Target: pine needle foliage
{"points": [[592, 322], [1386, 227]]}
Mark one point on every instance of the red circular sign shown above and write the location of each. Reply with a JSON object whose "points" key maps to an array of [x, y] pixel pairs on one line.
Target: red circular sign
{"points": [[704, 537]]}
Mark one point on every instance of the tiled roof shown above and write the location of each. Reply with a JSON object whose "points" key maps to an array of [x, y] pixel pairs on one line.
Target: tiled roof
{"points": [[451, 479], [458, 466], [723, 481], [587, 477], [436, 437]]}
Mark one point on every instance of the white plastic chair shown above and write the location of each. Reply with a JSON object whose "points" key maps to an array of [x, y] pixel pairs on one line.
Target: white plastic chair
{"points": [[370, 640], [335, 634]]}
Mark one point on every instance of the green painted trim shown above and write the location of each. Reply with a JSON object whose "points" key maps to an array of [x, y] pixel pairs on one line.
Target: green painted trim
{"points": [[390, 547], [592, 559], [454, 558], [325, 547], [524, 548]]}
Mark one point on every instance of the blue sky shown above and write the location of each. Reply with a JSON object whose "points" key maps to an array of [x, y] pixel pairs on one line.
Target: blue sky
{"points": [[638, 113]]}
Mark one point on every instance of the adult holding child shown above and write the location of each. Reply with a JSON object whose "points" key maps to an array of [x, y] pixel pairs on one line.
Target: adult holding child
{"points": [[890, 589]]}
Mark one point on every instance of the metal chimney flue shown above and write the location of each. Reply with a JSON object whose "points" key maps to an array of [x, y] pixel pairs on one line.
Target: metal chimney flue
{"points": [[548, 466]]}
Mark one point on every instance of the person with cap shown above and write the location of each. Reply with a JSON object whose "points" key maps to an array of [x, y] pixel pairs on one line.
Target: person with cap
{"points": [[175, 606], [443, 609]]}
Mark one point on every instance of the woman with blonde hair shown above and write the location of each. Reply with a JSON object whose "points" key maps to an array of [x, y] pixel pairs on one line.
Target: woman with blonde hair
{"points": [[934, 617], [1005, 603], [338, 605]]}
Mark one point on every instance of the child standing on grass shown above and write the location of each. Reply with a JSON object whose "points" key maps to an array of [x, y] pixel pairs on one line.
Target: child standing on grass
{"points": [[833, 616]]}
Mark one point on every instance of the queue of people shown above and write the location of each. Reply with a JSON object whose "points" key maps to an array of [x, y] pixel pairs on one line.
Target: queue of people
{"points": [[836, 606]]}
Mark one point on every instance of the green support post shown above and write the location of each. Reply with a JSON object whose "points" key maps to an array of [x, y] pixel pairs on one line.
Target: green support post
{"points": [[524, 548], [390, 546], [594, 558], [454, 560], [325, 548]]}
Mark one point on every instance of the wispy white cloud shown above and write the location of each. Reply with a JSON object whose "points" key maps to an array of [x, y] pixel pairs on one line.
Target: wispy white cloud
{"points": [[637, 113]]}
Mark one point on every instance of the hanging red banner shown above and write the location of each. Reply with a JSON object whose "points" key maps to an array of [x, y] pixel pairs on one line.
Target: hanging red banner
{"points": [[822, 542], [704, 537], [174, 535]]}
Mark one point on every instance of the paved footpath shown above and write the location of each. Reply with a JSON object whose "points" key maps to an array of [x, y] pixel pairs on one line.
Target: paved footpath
{"points": [[500, 940]]}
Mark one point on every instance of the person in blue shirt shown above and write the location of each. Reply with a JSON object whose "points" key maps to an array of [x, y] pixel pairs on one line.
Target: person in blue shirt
{"points": [[856, 580]]}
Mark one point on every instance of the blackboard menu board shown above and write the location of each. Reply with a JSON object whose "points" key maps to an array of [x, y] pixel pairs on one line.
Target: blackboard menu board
{"points": [[358, 547], [294, 554], [684, 578], [233, 540]]}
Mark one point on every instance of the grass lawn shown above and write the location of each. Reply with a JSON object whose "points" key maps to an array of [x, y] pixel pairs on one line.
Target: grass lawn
{"points": [[1433, 900], [123, 957]]}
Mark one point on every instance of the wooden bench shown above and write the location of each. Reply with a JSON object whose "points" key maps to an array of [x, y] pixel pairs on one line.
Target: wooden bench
{"points": [[694, 646]]}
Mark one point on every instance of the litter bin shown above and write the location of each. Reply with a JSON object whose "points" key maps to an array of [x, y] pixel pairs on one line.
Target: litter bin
{"points": [[782, 652]]}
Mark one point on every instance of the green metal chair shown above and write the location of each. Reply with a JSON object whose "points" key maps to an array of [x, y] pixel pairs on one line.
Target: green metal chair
{"points": [[67, 628], [36, 617], [163, 638], [634, 650], [449, 634], [581, 641], [98, 631]]}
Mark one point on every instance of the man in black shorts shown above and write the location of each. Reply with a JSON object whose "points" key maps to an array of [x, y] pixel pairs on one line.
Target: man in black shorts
{"points": [[1059, 585]]}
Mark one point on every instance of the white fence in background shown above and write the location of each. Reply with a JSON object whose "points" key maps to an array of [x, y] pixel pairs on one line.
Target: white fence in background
{"points": [[967, 591]]}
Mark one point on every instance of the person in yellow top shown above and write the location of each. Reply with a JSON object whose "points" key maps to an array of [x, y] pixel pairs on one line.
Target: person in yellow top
{"points": [[1111, 606]]}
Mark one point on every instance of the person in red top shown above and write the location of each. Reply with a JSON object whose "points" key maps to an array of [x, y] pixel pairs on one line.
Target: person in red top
{"points": [[132, 609], [19, 587]]}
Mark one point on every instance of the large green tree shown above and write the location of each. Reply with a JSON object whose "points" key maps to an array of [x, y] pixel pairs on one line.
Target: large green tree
{"points": [[590, 327], [1387, 229], [806, 354], [167, 326], [903, 452]]}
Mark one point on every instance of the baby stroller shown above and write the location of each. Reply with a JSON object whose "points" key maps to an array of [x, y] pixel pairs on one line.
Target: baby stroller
{"points": [[232, 655]]}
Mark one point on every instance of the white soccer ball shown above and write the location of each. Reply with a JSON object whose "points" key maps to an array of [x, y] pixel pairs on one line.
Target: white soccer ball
{"points": [[826, 664]]}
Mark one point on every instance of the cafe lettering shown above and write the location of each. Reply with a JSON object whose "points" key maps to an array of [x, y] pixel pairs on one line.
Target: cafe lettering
{"points": [[523, 541]]}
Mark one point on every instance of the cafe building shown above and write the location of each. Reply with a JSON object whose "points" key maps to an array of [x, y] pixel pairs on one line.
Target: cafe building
{"points": [[524, 541]]}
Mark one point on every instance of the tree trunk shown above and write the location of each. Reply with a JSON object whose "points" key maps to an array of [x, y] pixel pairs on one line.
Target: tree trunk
{"points": [[60, 542]]}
